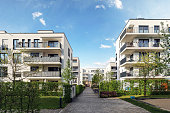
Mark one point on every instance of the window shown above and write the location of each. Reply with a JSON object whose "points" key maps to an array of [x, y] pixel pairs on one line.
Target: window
{"points": [[143, 42], [52, 55], [4, 44], [141, 55], [29, 42], [23, 42], [3, 58], [36, 43], [156, 42], [143, 29], [15, 43], [168, 29], [17, 57], [34, 68], [53, 43], [69, 52], [156, 29], [3, 71], [74, 61], [34, 54], [53, 69], [113, 68]]}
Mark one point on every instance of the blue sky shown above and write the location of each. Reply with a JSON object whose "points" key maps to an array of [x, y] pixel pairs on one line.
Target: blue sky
{"points": [[91, 26]]}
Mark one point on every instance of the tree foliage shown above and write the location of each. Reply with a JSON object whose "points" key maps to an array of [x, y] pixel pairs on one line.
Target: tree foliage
{"points": [[67, 73], [98, 77]]}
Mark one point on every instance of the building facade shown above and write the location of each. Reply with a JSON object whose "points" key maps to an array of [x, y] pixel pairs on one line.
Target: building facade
{"points": [[76, 70], [87, 74], [139, 37], [111, 69], [40, 56]]}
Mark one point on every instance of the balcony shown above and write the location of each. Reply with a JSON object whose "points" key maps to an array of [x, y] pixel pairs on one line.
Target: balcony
{"points": [[127, 63], [130, 48], [38, 45], [42, 74], [125, 74], [131, 32], [42, 60]]}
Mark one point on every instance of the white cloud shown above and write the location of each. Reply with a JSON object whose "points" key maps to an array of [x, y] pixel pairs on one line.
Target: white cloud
{"points": [[42, 21], [57, 26], [105, 46], [126, 21], [118, 4], [100, 6], [36, 15], [112, 59], [109, 39]]}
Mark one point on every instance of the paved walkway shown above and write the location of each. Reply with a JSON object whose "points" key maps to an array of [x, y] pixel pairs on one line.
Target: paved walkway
{"points": [[88, 102]]}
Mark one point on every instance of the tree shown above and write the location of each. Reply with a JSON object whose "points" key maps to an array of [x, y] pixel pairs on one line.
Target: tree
{"points": [[67, 73], [98, 77], [148, 67], [109, 76], [165, 60]]}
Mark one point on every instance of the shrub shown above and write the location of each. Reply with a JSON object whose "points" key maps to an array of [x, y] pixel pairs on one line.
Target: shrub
{"points": [[160, 93], [105, 94], [79, 89]]}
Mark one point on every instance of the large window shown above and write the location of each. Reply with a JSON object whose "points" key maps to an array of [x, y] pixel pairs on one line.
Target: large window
{"points": [[36, 43], [53, 43], [156, 29], [53, 69], [156, 42], [52, 55], [143, 42], [143, 29], [34, 68], [69, 52], [34, 54], [15, 43], [23, 42], [17, 58], [74, 61], [3, 71], [29, 42], [142, 55], [3, 58]]}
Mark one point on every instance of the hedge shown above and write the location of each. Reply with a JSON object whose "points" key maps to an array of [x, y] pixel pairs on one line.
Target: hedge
{"points": [[79, 89]]}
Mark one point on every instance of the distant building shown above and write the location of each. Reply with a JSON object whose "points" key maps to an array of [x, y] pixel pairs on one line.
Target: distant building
{"points": [[76, 70]]}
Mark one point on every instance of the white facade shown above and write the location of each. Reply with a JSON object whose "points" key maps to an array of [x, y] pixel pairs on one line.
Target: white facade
{"points": [[45, 50], [138, 37], [76, 70], [111, 67]]}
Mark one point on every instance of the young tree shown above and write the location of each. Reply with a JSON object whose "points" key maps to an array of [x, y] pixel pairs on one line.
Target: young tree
{"points": [[67, 73], [147, 66], [109, 76], [98, 77]]}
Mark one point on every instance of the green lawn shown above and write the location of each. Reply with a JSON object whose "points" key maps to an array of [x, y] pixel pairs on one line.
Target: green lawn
{"points": [[50, 102], [148, 107]]}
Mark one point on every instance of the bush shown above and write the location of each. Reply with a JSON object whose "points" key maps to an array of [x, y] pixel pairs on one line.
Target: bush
{"points": [[67, 93], [160, 93], [19, 97], [79, 89], [105, 94]]}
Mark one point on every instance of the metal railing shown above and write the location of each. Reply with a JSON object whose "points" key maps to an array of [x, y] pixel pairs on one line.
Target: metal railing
{"points": [[38, 45], [125, 74], [123, 61], [43, 74], [140, 30], [42, 59]]}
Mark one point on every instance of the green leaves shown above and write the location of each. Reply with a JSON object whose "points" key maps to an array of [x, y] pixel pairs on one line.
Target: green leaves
{"points": [[67, 73]]}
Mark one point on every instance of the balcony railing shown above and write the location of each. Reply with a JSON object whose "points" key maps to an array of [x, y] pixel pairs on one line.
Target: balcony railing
{"points": [[42, 59], [38, 45], [125, 74], [138, 45], [138, 30], [43, 74], [123, 61]]}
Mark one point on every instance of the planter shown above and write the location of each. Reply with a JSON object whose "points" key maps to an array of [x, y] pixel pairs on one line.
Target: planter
{"points": [[106, 94]]}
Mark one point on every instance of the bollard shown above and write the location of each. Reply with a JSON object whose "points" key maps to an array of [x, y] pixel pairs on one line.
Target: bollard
{"points": [[60, 102]]}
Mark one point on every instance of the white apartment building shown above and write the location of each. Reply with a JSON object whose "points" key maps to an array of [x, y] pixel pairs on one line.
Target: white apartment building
{"points": [[138, 37], [42, 55], [86, 75], [111, 67], [76, 70]]}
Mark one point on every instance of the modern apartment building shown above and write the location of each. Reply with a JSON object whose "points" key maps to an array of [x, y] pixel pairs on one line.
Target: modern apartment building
{"points": [[138, 37], [42, 55], [76, 70], [87, 74], [111, 67]]}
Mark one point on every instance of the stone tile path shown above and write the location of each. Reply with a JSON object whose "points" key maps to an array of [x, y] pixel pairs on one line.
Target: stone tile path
{"points": [[88, 102]]}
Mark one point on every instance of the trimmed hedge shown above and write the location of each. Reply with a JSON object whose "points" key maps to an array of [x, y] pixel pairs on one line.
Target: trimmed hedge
{"points": [[160, 93], [79, 89], [105, 94]]}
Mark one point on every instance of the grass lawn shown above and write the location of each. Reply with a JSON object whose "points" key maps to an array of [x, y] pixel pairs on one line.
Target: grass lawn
{"points": [[148, 107], [50, 102]]}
